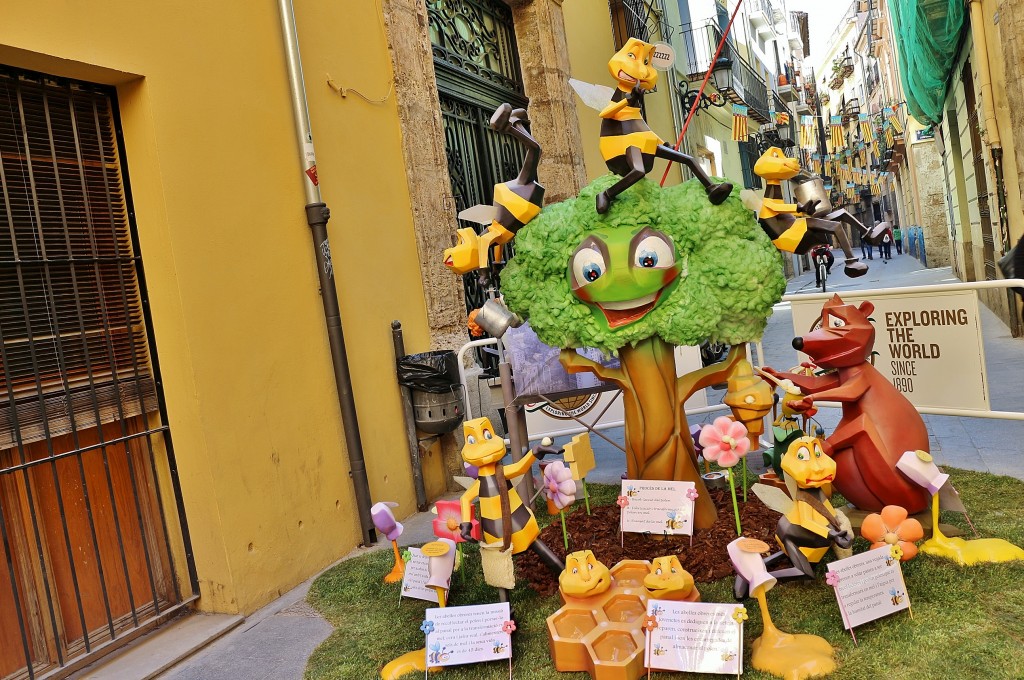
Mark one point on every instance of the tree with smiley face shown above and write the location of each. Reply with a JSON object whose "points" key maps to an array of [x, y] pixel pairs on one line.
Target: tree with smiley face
{"points": [[662, 267]]}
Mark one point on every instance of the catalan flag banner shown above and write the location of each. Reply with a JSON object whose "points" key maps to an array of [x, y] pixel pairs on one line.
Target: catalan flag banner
{"points": [[836, 127], [867, 129], [816, 164], [781, 118], [739, 123], [851, 191], [894, 120], [808, 140], [890, 133]]}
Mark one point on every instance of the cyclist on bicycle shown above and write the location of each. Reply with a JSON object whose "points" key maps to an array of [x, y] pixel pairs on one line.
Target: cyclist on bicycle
{"points": [[822, 251]]}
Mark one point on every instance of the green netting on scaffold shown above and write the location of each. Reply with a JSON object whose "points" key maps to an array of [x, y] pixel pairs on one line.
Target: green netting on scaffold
{"points": [[928, 33]]}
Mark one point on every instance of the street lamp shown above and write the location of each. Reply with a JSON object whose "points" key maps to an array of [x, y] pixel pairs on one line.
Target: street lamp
{"points": [[722, 73]]}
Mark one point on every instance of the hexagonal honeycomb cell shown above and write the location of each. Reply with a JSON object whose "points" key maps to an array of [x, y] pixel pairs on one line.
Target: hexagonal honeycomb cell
{"points": [[617, 655], [566, 629], [574, 623], [630, 573], [624, 608]]}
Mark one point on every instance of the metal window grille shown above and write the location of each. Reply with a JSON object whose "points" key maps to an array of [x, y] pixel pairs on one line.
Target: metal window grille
{"points": [[85, 541]]}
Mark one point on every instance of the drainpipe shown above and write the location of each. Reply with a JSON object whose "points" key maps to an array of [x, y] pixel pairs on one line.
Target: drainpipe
{"points": [[317, 215]]}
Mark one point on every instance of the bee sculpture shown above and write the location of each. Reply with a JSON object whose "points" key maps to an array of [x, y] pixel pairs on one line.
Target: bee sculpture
{"points": [[515, 202], [628, 145]]}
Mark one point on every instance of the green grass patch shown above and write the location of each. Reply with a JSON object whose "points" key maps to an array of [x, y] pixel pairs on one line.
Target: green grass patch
{"points": [[968, 621]]}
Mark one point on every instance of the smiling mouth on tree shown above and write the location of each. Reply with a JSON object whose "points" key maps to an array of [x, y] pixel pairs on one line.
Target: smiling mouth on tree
{"points": [[628, 311]]}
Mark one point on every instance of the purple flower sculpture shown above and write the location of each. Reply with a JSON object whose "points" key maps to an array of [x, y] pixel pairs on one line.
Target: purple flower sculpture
{"points": [[559, 486]]}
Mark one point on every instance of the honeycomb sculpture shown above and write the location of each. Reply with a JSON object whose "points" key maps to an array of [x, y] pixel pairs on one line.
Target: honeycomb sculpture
{"points": [[603, 635]]}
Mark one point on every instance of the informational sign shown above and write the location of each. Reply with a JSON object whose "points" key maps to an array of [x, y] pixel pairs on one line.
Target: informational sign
{"points": [[695, 637], [868, 586], [928, 345], [658, 507], [414, 583], [471, 634]]}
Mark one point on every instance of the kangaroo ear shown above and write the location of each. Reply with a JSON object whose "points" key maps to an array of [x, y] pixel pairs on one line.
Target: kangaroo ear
{"points": [[866, 308]]}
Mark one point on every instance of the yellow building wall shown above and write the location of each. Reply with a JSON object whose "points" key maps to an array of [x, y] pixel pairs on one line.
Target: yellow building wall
{"points": [[238, 321], [588, 33]]}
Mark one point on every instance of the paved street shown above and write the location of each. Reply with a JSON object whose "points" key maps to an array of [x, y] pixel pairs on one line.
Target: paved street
{"points": [[276, 642]]}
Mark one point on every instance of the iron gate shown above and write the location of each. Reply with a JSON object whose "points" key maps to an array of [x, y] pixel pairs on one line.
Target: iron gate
{"points": [[86, 550], [477, 67]]}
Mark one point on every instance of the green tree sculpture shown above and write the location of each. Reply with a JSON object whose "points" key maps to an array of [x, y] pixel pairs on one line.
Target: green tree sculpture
{"points": [[663, 267]]}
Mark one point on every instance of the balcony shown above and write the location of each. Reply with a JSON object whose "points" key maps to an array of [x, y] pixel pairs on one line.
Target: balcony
{"points": [[850, 110], [735, 78], [763, 16]]}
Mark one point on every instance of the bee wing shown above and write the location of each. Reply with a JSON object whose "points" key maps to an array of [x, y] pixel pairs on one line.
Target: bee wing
{"points": [[774, 497], [464, 482], [481, 214], [594, 96], [751, 199]]}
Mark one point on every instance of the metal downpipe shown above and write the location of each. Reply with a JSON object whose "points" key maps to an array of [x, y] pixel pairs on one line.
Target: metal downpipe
{"points": [[317, 215]]}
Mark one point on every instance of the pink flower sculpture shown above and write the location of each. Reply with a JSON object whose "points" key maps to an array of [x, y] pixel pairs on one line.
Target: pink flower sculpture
{"points": [[449, 517], [832, 578], [622, 501], [692, 494], [725, 441], [509, 627], [559, 486]]}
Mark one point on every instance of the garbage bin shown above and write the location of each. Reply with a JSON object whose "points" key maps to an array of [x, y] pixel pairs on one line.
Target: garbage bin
{"points": [[433, 378]]}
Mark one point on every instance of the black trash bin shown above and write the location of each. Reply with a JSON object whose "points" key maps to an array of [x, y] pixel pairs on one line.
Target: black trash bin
{"points": [[433, 378]]}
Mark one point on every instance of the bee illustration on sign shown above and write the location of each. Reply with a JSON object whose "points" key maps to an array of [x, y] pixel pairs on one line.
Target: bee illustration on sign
{"points": [[631, 492], [659, 650], [672, 522], [499, 647], [897, 596], [438, 654], [656, 610], [728, 656]]}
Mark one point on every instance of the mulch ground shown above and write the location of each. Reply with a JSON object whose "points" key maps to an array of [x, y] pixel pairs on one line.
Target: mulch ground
{"points": [[706, 559]]}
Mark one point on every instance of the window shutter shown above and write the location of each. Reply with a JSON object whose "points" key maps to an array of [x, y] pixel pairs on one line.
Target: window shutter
{"points": [[73, 348]]}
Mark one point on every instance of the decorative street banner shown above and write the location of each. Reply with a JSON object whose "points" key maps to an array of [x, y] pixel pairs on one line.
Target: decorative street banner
{"points": [[868, 586], [471, 634], [695, 637], [657, 507], [929, 345], [414, 583]]}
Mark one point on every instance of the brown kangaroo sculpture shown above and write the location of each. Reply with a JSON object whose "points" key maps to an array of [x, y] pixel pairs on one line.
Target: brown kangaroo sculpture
{"points": [[878, 423]]}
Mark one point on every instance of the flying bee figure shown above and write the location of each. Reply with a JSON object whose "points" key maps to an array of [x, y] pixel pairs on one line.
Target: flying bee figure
{"points": [[499, 647], [659, 650], [897, 596], [515, 202], [672, 522], [628, 145], [630, 492]]}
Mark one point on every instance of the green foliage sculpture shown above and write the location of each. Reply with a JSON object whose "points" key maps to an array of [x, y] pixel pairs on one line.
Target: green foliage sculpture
{"points": [[663, 267]]}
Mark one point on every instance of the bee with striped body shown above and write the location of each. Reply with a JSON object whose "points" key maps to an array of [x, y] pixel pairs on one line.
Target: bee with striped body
{"points": [[628, 145]]}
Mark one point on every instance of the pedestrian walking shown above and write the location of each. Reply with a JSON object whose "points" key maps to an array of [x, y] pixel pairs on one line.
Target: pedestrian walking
{"points": [[866, 248], [896, 233], [886, 247]]}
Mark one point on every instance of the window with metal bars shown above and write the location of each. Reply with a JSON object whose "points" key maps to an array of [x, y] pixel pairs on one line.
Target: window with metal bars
{"points": [[70, 316]]}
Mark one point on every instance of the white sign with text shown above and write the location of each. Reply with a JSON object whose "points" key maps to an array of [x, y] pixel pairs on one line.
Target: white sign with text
{"points": [[929, 346], [658, 507], [695, 637], [414, 583], [870, 586], [470, 634]]}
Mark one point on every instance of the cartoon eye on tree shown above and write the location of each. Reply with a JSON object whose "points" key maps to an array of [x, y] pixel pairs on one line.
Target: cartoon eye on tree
{"points": [[663, 267]]}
